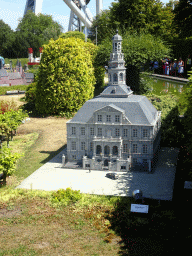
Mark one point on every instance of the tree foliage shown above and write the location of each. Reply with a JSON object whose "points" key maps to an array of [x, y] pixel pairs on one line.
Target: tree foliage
{"points": [[33, 31], [144, 15], [149, 16], [183, 18], [8, 162], [7, 38], [66, 77], [10, 121], [171, 132]]}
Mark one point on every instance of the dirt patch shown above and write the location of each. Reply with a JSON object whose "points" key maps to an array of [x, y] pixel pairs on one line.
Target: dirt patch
{"points": [[15, 98], [5, 213], [52, 132]]}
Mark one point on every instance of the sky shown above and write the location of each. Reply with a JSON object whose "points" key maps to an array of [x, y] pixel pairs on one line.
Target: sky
{"points": [[12, 10]]}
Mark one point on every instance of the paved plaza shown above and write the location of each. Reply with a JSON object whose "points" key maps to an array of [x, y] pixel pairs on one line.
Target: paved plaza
{"points": [[156, 185]]}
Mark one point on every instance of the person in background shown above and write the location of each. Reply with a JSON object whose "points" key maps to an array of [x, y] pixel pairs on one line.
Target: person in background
{"points": [[174, 67], [180, 67], [156, 66], [171, 68], [163, 65], [167, 67], [151, 65]]}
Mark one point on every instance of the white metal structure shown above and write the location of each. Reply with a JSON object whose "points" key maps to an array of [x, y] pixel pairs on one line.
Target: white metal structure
{"points": [[33, 5], [79, 12]]}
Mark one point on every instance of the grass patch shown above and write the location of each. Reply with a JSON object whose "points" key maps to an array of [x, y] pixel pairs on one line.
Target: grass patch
{"points": [[97, 227], [3, 89]]}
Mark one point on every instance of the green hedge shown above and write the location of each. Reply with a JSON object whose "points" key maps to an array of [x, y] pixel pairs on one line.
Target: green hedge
{"points": [[3, 89]]}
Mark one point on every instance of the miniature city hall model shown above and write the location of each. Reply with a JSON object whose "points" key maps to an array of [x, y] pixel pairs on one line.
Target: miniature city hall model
{"points": [[116, 129]]}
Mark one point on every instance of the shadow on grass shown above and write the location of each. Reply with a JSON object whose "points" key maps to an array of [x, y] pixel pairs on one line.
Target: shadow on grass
{"points": [[52, 154], [155, 233]]}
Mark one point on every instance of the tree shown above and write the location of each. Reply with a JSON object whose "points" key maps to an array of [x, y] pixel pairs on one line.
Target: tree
{"points": [[106, 27], [10, 121], [75, 34], [149, 16], [6, 39], [139, 49], [7, 162], [66, 77], [34, 31], [183, 18]]}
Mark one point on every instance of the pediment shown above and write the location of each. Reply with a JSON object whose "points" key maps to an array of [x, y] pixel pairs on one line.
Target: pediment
{"points": [[110, 108]]}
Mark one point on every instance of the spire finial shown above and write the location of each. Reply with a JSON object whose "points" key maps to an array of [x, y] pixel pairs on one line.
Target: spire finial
{"points": [[117, 31]]}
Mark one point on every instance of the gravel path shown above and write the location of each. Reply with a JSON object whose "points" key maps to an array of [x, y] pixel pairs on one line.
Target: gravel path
{"points": [[156, 185]]}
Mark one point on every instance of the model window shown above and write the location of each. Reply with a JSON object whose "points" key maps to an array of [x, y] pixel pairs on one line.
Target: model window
{"points": [[125, 132], [145, 133], [115, 46], [134, 148], [117, 132], [99, 118], [99, 131], [144, 149], [121, 77], [109, 77], [123, 167], [115, 79], [91, 146], [134, 132], [73, 130], [98, 150], [134, 160], [119, 46], [108, 118], [125, 148], [74, 157], [91, 131], [82, 130], [106, 151], [115, 150], [73, 145], [117, 118], [83, 145]]}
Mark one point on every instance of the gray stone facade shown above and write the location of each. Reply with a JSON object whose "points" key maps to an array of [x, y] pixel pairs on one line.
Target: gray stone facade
{"points": [[115, 130]]}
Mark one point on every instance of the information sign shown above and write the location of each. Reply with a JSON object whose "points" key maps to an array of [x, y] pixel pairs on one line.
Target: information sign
{"points": [[139, 208]]}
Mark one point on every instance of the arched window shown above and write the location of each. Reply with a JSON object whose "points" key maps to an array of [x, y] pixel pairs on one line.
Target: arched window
{"points": [[115, 78], [121, 77], [98, 150], [106, 150], [119, 46], [115, 46], [115, 150]]}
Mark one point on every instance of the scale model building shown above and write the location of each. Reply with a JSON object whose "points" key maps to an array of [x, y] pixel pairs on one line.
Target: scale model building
{"points": [[115, 130]]}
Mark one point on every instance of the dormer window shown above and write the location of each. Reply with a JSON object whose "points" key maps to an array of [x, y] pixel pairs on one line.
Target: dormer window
{"points": [[113, 91], [99, 118], [117, 118], [108, 118]]}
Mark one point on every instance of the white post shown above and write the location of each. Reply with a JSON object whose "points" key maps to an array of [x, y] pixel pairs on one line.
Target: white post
{"points": [[63, 160]]}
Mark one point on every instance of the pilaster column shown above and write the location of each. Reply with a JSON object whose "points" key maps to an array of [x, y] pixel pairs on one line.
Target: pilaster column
{"points": [[149, 165]]}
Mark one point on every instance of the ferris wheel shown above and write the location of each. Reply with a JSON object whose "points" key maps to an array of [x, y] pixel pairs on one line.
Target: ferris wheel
{"points": [[80, 13]]}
